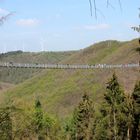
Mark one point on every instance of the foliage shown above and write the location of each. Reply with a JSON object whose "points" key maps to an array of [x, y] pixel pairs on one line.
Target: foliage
{"points": [[59, 92], [137, 29], [138, 49], [82, 118], [117, 118], [115, 100], [100, 124], [136, 112], [5, 124], [38, 122]]}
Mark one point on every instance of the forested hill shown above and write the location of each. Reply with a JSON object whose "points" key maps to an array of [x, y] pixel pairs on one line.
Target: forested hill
{"points": [[15, 76], [35, 57], [61, 90]]}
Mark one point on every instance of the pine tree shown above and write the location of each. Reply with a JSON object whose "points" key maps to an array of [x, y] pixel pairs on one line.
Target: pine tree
{"points": [[38, 119], [115, 99], [101, 127], [128, 115], [136, 112], [82, 119]]}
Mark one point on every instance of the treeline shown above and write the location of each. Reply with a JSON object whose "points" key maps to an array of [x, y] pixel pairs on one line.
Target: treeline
{"points": [[10, 53], [117, 118]]}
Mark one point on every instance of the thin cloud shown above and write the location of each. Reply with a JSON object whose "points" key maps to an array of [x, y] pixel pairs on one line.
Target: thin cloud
{"points": [[27, 22], [97, 27], [3, 12]]}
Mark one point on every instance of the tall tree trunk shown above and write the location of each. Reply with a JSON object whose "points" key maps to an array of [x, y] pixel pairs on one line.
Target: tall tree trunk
{"points": [[114, 121], [68, 137], [128, 133]]}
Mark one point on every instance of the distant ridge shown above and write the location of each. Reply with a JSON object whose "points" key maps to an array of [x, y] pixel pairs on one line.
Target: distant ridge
{"points": [[61, 90]]}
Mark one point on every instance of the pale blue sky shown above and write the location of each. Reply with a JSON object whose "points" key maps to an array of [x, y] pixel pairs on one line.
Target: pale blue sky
{"points": [[56, 25]]}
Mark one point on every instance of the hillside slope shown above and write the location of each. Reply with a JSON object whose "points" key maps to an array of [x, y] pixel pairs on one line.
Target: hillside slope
{"points": [[61, 90], [15, 76], [5, 86]]}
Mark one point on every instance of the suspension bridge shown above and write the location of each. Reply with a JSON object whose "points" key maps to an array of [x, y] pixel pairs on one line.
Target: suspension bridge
{"points": [[68, 66]]}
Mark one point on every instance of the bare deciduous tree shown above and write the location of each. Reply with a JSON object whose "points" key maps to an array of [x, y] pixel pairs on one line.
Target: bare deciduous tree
{"points": [[4, 18], [92, 4]]}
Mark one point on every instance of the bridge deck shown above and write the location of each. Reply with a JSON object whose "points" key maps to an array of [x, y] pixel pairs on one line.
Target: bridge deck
{"points": [[68, 66]]}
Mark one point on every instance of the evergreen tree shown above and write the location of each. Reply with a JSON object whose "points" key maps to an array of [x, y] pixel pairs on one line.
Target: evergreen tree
{"points": [[100, 127], [115, 100], [82, 119], [38, 119], [136, 112], [128, 116]]}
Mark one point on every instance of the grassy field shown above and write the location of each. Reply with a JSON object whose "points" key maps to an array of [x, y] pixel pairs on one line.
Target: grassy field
{"points": [[61, 90]]}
